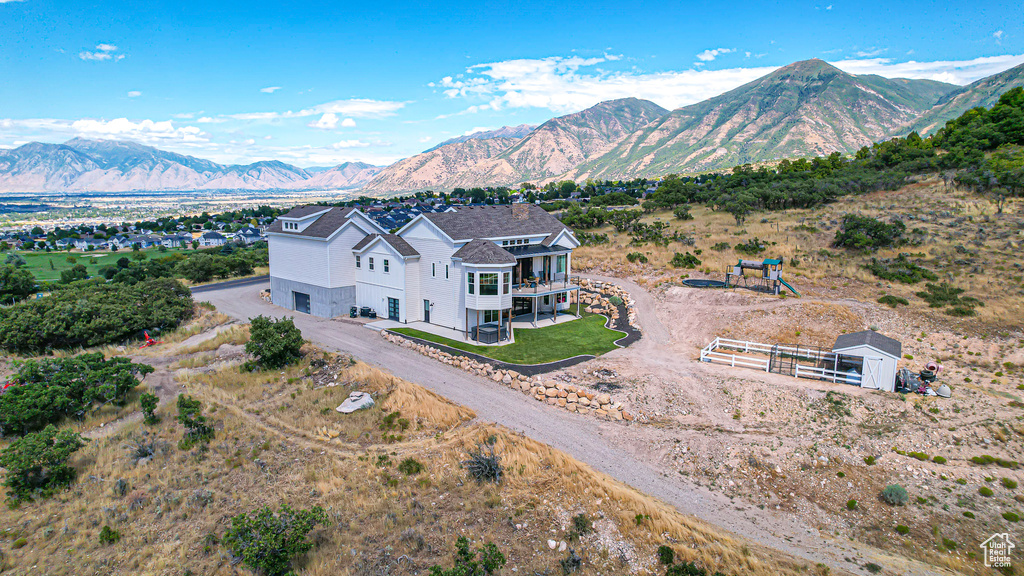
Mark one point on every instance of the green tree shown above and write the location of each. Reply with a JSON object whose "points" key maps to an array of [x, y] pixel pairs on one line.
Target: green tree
{"points": [[267, 541], [15, 284], [148, 402], [273, 343], [197, 430], [487, 560], [37, 464], [74, 274]]}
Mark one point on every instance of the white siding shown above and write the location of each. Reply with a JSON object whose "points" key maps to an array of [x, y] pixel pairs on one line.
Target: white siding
{"points": [[446, 295], [299, 259], [374, 287], [342, 260], [887, 374]]}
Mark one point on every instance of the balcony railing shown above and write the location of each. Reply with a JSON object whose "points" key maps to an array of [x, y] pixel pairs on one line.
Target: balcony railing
{"points": [[538, 287]]}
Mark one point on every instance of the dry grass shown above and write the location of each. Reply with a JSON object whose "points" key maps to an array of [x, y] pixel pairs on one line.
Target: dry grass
{"points": [[235, 335], [268, 450]]}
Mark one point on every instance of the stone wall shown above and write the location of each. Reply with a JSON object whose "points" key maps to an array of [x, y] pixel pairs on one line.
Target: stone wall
{"points": [[600, 303], [565, 396]]}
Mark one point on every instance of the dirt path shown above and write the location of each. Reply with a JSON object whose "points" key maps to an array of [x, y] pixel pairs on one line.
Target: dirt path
{"points": [[611, 448]]}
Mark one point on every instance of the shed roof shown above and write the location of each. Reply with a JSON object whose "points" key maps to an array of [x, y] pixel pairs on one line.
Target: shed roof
{"points": [[484, 252], [869, 338]]}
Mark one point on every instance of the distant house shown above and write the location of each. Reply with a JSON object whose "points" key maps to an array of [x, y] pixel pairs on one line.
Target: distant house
{"points": [[85, 243], [176, 240], [212, 239], [248, 235]]}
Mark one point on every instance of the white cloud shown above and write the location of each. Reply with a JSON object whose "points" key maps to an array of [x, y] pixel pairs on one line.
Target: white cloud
{"points": [[356, 107], [270, 89], [477, 129], [563, 84], [426, 139], [709, 55], [134, 93], [349, 144], [102, 52], [6, 1], [147, 131], [330, 121], [829, 7], [871, 52], [952, 71], [210, 120]]}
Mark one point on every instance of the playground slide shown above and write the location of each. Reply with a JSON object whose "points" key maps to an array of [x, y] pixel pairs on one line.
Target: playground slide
{"points": [[786, 284]]}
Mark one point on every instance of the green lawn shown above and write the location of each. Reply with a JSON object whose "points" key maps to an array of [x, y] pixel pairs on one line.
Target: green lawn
{"points": [[539, 345], [39, 263]]}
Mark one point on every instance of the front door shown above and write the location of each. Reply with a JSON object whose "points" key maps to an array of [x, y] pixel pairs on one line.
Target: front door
{"points": [[393, 309], [525, 269], [301, 302], [522, 306], [426, 311], [872, 368]]}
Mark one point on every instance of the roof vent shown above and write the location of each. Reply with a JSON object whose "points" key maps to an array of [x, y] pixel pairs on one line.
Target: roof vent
{"points": [[520, 211]]}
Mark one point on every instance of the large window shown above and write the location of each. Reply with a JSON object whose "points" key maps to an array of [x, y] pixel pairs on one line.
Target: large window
{"points": [[471, 283], [357, 261], [387, 266], [491, 315], [489, 284], [507, 281], [371, 262], [560, 264]]}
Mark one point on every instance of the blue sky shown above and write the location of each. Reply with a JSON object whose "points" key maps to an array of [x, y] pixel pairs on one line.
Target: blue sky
{"points": [[321, 83]]}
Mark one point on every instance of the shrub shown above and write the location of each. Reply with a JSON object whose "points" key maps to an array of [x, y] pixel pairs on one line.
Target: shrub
{"points": [[50, 390], [267, 541], [19, 543], [986, 491], [684, 261], [900, 269], [666, 555], [15, 284], [37, 464], [867, 233], [1008, 483], [721, 246], [273, 343], [872, 568], [968, 514], [109, 536], [636, 257], [944, 294], [893, 301], [582, 525], [685, 569], [851, 504], [484, 464], [196, 428], [410, 467], [88, 315], [682, 213], [570, 563], [487, 560], [751, 246], [939, 460], [149, 402], [1011, 517], [870, 460], [895, 495], [615, 301], [904, 530]]}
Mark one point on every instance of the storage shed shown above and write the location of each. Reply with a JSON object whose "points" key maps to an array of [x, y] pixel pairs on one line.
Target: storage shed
{"points": [[875, 354]]}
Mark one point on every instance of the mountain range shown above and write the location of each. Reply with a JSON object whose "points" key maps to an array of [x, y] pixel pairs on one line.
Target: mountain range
{"points": [[81, 165], [807, 108]]}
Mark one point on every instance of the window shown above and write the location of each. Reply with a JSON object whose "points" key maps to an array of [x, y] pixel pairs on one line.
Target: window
{"points": [[489, 284], [504, 242], [507, 281], [387, 266], [560, 264], [357, 262], [371, 262], [433, 270], [445, 271], [470, 282], [560, 298], [491, 315]]}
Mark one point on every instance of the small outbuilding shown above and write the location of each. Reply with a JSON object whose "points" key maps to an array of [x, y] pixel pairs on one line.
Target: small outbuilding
{"points": [[872, 355]]}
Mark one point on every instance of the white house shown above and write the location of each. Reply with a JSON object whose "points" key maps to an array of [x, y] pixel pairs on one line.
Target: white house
{"points": [[462, 269], [212, 239], [312, 263]]}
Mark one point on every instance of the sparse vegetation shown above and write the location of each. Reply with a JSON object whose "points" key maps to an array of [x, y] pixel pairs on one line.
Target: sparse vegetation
{"points": [[895, 495], [37, 464], [484, 465], [273, 343], [268, 541]]}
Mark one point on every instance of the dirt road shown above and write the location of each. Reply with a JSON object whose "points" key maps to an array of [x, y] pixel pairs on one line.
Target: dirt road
{"points": [[609, 447]]}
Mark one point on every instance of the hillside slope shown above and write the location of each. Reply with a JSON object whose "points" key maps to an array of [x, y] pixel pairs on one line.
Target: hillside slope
{"points": [[439, 168], [984, 93], [806, 108]]}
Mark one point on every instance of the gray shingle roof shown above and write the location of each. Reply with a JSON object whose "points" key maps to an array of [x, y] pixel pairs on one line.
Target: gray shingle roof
{"points": [[396, 242], [322, 227], [303, 211], [483, 252], [495, 222], [870, 338]]}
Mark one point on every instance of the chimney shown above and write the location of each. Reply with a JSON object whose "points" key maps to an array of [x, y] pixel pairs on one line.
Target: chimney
{"points": [[520, 211]]}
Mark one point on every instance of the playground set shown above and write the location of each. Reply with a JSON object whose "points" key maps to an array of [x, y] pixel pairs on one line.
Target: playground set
{"points": [[769, 280]]}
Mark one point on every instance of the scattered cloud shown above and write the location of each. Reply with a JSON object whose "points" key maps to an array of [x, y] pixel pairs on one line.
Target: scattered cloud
{"points": [[709, 55], [331, 121], [6, 1], [102, 52], [146, 131], [829, 7], [959, 72], [270, 89], [998, 35], [349, 144], [426, 139], [870, 52], [134, 93], [570, 84], [211, 120], [354, 108]]}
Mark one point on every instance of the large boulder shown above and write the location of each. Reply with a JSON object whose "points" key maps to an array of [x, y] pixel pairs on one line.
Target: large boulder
{"points": [[355, 401]]}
